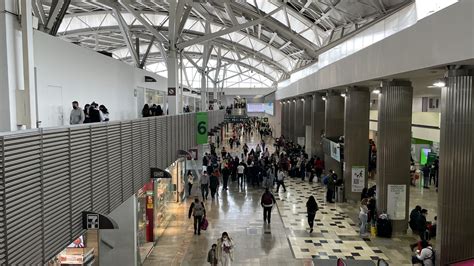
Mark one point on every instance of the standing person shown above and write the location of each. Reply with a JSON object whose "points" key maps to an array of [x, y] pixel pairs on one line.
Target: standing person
{"points": [[146, 112], [318, 168], [240, 174], [77, 115], [212, 255], [190, 182], [363, 217], [205, 185], [426, 175], [105, 112], [246, 149], [281, 180], [258, 150], [87, 118], [331, 186], [421, 224], [414, 214], [267, 202], [159, 111], [225, 249], [225, 176], [270, 178], [95, 114], [198, 211], [311, 209], [214, 183]]}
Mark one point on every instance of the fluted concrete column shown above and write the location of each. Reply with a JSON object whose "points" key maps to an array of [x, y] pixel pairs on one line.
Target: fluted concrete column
{"points": [[318, 106], [356, 140], [299, 119], [308, 133], [334, 123], [393, 153], [456, 183], [292, 116], [334, 126], [283, 118]]}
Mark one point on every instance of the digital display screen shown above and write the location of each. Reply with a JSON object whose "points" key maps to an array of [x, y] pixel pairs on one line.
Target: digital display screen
{"points": [[268, 107], [255, 108]]}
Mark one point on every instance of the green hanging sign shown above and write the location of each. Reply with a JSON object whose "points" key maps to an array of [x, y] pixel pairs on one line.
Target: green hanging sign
{"points": [[202, 123]]}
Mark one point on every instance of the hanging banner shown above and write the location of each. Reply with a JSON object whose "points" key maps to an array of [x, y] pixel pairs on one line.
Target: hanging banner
{"points": [[202, 124], [358, 178], [396, 201]]}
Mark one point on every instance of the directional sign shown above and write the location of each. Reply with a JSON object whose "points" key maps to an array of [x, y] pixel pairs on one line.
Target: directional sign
{"points": [[202, 124]]}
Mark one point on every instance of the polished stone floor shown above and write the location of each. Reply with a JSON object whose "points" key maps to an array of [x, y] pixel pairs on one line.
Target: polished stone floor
{"points": [[287, 241]]}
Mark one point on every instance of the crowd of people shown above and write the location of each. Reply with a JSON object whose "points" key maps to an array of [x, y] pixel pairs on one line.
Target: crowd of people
{"points": [[92, 113], [154, 110]]}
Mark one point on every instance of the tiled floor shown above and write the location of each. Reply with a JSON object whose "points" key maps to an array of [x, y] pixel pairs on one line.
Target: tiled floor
{"points": [[287, 241]]}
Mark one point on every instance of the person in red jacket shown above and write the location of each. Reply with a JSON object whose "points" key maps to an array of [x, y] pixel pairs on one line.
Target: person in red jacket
{"points": [[318, 168]]}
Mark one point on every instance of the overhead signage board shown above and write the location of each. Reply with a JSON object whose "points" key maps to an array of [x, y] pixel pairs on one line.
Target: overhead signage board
{"points": [[202, 127], [159, 173]]}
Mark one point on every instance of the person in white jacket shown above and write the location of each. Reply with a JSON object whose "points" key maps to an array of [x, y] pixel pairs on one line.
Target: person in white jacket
{"points": [[363, 217], [424, 257]]}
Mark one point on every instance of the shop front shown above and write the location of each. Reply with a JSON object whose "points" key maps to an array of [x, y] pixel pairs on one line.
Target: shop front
{"points": [[82, 251]]}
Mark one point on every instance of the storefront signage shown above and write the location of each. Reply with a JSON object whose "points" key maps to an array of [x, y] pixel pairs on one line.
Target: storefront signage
{"points": [[396, 201], [201, 130], [159, 173], [358, 178], [93, 220]]}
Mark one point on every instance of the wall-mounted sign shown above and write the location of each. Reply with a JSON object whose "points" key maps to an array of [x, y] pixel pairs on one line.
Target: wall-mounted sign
{"points": [[94, 221], [396, 201], [358, 178], [335, 151], [171, 91], [149, 79], [159, 173]]}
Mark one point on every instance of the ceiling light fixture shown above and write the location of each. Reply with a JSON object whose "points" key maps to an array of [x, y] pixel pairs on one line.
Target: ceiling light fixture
{"points": [[324, 98], [343, 94], [439, 84], [376, 91]]}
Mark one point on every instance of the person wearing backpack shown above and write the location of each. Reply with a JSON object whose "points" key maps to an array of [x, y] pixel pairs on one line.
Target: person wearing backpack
{"points": [[311, 208], [426, 256], [198, 211], [267, 202]]}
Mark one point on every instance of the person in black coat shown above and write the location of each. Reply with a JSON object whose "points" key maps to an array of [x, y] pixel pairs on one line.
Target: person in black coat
{"points": [[311, 208]]}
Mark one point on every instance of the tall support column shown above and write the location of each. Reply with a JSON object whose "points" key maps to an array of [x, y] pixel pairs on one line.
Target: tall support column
{"points": [[283, 118], [334, 123], [318, 106], [204, 105], [334, 126], [172, 64], [291, 120], [393, 157], [299, 126], [308, 131], [356, 138], [456, 183]]}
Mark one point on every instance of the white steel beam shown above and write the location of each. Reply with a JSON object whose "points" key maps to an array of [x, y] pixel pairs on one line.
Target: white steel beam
{"points": [[225, 31], [125, 34]]}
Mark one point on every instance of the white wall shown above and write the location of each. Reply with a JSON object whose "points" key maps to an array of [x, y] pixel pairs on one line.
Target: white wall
{"points": [[431, 42], [81, 74]]}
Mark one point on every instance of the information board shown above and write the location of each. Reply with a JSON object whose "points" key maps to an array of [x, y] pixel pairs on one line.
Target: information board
{"points": [[358, 178], [396, 201]]}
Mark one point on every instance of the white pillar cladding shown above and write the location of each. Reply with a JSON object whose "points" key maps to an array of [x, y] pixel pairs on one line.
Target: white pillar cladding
{"points": [[356, 137], [456, 182], [318, 106], [393, 154], [172, 63], [299, 125]]}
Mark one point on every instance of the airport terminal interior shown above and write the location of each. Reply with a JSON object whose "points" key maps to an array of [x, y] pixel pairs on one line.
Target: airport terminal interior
{"points": [[237, 132]]}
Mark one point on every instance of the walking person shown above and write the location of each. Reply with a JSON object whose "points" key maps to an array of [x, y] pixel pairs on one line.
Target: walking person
{"points": [[212, 255], [281, 180], [426, 175], [240, 175], [204, 185], [318, 168], [226, 172], [331, 184], [77, 115], [198, 211], [225, 249], [267, 202], [311, 209], [190, 182], [214, 183]]}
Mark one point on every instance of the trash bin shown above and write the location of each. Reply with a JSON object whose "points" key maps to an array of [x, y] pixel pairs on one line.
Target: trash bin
{"points": [[339, 193]]}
